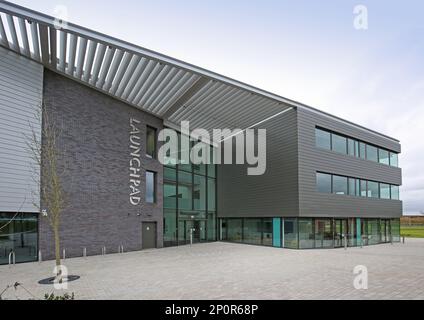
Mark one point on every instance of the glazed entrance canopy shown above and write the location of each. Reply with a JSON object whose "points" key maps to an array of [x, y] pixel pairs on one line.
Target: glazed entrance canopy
{"points": [[165, 87]]}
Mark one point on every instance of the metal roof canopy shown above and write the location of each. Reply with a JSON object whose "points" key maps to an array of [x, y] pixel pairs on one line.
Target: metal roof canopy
{"points": [[160, 85]]}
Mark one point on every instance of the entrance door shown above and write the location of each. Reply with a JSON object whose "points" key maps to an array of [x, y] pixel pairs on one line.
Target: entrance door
{"points": [[194, 228], [148, 235]]}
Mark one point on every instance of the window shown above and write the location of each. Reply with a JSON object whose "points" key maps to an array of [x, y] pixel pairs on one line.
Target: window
{"points": [[394, 191], [363, 188], [306, 234], [290, 233], [352, 187], [338, 144], [185, 193], [150, 187], [323, 139], [394, 159], [372, 153], [351, 144], [362, 150], [323, 182], [384, 191], [383, 156], [373, 189], [211, 194], [339, 185], [151, 142], [199, 192]]}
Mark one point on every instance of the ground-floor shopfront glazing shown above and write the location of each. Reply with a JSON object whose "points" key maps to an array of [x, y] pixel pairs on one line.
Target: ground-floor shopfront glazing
{"points": [[309, 233], [18, 234]]}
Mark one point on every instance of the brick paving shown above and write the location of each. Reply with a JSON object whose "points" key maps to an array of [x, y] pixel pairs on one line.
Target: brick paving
{"points": [[234, 271]]}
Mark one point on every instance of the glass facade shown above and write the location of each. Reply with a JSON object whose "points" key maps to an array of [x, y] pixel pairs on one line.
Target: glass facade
{"points": [[310, 233], [326, 139], [189, 201], [18, 234], [340, 185]]}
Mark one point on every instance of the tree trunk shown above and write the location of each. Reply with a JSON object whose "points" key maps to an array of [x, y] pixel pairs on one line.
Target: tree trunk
{"points": [[57, 249]]}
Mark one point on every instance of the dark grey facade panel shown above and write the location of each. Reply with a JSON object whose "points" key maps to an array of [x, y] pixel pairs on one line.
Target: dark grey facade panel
{"points": [[313, 159], [95, 145], [270, 195]]}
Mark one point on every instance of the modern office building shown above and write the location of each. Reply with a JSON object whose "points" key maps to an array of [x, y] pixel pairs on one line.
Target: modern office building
{"points": [[327, 180]]}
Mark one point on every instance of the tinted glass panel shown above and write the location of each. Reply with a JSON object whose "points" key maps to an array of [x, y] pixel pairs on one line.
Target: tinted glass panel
{"points": [[234, 230], [351, 147], [306, 234], [150, 187], [362, 150], [363, 188], [323, 139], [352, 187], [170, 227], [323, 233], [185, 188], [339, 144], [252, 231], [384, 191], [151, 142], [373, 189], [394, 159], [394, 192], [372, 153], [267, 232], [290, 233], [199, 193], [383, 156], [339, 185], [324, 182], [169, 195], [211, 195]]}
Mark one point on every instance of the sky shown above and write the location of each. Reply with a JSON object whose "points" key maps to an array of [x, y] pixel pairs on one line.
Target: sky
{"points": [[307, 51]]}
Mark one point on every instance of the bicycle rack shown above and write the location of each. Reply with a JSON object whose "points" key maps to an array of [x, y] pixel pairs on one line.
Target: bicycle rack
{"points": [[12, 254]]}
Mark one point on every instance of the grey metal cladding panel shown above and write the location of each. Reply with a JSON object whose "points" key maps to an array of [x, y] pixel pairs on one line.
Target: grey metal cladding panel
{"points": [[313, 159], [95, 145], [21, 86], [269, 195], [350, 130]]}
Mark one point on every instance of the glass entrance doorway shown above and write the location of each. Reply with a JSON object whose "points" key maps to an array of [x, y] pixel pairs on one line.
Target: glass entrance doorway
{"points": [[340, 230], [191, 231]]}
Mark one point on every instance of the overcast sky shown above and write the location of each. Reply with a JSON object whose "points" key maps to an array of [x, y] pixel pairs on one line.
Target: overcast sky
{"points": [[303, 50]]}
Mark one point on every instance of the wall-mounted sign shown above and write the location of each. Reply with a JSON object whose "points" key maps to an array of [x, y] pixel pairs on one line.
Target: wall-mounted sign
{"points": [[135, 162]]}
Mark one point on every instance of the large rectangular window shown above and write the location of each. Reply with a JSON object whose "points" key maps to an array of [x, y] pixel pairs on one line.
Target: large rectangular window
{"points": [[352, 187], [323, 182], [338, 143], [234, 230], [383, 156], [199, 193], [362, 150], [150, 187], [252, 231], [384, 191], [306, 234], [290, 233], [373, 189], [372, 153], [323, 139], [394, 159], [351, 147], [151, 142], [185, 190], [18, 233], [363, 187], [339, 185], [394, 191]]}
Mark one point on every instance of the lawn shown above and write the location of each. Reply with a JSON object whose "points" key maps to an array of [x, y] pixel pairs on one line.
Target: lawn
{"points": [[412, 231]]}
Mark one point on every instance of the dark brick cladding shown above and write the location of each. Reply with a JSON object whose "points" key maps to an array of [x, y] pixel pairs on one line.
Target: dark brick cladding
{"points": [[94, 143]]}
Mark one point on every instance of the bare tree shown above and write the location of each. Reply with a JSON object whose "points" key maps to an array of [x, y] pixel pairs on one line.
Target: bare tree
{"points": [[45, 153]]}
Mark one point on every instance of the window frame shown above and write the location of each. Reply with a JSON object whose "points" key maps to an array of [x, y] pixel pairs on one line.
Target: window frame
{"points": [[154, 186], [155, 149]]}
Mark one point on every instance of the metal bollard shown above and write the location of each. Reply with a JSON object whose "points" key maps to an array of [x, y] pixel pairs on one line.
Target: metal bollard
{"points": [[84, 252], [103, 251], [403, 239], [12, 254], [121, 249], [64, 254], [345, 242], [40, 257]]}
